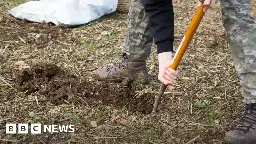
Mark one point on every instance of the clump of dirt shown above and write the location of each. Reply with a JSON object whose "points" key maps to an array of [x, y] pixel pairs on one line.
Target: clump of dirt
{"points": [[59, 86]]}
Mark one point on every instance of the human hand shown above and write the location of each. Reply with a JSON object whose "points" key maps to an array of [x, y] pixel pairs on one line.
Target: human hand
{"points": [[166, 75], [207, 3]]}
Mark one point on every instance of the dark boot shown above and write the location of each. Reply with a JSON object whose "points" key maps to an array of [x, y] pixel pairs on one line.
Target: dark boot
{"points": [[128, 68], [245, 131]]}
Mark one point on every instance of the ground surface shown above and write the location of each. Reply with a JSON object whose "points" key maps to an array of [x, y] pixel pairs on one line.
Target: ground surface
{"points": [[46, 76]]}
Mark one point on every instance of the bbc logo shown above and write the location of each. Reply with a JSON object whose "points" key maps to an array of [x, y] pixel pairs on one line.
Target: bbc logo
{"points": [[23, 128], [37, 128]]}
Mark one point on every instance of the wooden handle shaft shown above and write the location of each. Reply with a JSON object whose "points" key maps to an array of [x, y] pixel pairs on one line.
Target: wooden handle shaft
{"points": [[188, 37]]}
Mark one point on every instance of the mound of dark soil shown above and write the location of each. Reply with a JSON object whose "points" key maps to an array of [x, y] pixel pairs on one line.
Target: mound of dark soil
{"points": [[59, 86]]}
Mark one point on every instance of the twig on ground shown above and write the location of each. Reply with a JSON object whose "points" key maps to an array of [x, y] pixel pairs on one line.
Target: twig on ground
{"points": [[2, 79], [22, 39], [37, 101], [193, 139], [63, 43], [105, 137], [6, 140]]}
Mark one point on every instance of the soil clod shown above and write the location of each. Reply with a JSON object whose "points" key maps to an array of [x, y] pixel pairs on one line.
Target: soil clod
{"points": [[60, 86]]}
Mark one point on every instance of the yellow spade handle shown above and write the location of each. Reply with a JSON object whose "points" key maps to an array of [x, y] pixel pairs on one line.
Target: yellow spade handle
{"points": [[188, 37]]}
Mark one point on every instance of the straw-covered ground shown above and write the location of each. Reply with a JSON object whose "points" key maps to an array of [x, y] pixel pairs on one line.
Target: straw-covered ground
{"points": [[46, 76]]}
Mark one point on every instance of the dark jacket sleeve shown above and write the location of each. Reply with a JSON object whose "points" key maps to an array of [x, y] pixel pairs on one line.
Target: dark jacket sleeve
{"points": [[161, 21]]}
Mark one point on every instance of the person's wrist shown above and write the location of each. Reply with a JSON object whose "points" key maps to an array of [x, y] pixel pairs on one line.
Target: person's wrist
{"points": [[164, 58]]}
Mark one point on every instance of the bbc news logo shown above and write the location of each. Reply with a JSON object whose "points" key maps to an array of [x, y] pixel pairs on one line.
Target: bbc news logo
{"points": [[38, 128]]}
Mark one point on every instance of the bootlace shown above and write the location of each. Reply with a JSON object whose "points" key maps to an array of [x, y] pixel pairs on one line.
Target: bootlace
{"points": [[119, 65], [248, 120]]}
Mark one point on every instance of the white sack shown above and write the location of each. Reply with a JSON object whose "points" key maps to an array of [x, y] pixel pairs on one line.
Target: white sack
{"points": [[64, 12]]}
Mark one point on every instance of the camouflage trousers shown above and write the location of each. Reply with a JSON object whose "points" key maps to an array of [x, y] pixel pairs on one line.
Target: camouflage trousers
{"points": [[240, 28], [138, 40]]}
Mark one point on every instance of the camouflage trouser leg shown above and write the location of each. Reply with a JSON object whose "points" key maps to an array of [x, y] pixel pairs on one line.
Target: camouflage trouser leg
{"points": [[138, 40], [239, 24]]}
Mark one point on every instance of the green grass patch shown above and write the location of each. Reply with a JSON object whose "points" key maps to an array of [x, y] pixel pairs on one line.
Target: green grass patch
{"points": [[21, 2], [213, 117], [82, 57], [75, 117], [4, 86], [101, 112], [202, 104], [36, 119], [89, 46]]}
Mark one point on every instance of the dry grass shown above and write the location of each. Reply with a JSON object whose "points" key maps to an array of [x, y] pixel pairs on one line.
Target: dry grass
{"points": [[205, 104]]}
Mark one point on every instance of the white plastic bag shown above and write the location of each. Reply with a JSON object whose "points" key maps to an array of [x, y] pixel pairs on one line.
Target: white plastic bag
{"points": [[64, 12]]}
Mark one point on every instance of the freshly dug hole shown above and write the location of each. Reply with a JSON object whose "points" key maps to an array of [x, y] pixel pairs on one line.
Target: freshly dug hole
{"points": [[60, 86]]}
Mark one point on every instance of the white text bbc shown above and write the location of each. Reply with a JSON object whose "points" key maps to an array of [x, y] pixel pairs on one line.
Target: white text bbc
{"points": [[37, 128]]}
